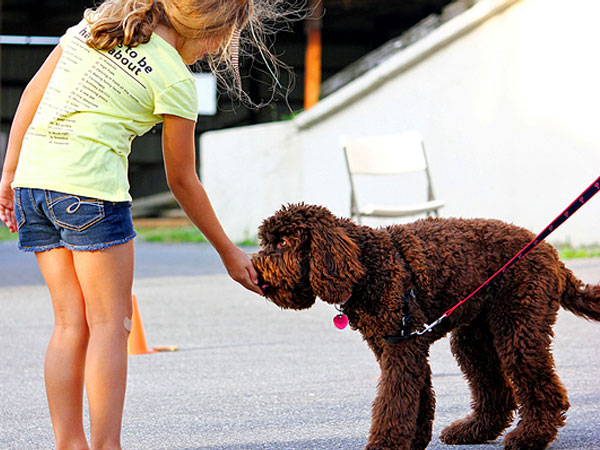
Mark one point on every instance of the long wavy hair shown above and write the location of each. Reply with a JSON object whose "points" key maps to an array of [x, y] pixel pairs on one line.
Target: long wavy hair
{"points": [[244, 25]]}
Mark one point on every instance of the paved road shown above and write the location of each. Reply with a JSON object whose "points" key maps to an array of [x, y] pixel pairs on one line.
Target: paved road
{"points": [[248, 376]]}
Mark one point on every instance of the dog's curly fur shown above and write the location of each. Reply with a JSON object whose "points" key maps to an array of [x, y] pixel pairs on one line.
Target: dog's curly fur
{"points": [[501, 338]]}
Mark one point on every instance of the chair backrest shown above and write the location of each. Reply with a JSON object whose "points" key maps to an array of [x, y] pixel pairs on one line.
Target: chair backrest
{"points": [[385, 155]]}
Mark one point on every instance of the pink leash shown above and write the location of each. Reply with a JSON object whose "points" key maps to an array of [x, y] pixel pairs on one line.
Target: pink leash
{"points": [[573, 207]]}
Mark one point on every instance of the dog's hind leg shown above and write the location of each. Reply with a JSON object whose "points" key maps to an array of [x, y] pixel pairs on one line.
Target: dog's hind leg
{"points": [[523, 344], [492, 394]]}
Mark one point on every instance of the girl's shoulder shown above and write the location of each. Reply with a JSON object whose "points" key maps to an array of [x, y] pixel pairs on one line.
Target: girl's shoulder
{"points": [[163, 56]]}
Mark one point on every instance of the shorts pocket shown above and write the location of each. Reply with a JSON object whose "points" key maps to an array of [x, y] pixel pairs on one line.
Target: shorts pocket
{"points": [[19, 213], [74, 212]]}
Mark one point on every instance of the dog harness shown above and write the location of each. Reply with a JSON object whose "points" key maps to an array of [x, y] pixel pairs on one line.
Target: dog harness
{"points": [[405, 326]]}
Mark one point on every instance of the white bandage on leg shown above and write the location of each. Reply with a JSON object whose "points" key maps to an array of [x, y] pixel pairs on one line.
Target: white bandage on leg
{"points": [[127, 324]]}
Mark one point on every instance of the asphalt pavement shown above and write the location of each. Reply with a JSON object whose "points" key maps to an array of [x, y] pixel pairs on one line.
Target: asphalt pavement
{"points": [[249, 376]]}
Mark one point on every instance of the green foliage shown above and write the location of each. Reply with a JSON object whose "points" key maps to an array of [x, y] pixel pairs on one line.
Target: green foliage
{"points": [[568, 251], [6, 235], [178, 234], [185, 234]]}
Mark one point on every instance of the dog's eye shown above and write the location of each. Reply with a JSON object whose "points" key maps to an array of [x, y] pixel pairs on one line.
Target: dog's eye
{"points": [[282, 244]]}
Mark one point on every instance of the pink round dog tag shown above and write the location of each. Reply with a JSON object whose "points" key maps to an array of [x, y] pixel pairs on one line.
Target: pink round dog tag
{"points": [[340, 321]]}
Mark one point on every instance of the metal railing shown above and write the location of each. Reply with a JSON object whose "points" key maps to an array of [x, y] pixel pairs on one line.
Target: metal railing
{"points": [[7, 39]]}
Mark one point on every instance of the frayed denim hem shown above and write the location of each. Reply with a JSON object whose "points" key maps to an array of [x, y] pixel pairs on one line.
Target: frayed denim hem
{"points": [[77, 248], [39, 248], [96, 247]]}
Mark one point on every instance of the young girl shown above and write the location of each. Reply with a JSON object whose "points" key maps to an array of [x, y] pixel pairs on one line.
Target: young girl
{"points": [[64, 182]]}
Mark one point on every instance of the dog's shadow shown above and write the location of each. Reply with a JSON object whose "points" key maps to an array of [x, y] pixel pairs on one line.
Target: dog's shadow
{"points": [[349, 443]]}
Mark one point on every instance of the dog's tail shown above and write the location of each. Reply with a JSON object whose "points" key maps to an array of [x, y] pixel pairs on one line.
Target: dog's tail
{"points": [[581, 299]]}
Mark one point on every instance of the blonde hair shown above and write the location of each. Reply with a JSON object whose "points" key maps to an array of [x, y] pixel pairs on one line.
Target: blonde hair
{"points": [[241, 24]]}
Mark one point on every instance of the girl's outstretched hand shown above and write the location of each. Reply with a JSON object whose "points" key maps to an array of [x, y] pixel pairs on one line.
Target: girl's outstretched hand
{"points": [[240, 268]]}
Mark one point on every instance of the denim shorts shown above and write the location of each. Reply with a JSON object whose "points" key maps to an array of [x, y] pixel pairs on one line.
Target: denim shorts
{"points": [[48, 219]]}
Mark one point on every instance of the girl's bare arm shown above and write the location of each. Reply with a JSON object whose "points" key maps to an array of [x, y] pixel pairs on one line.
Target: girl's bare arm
{"points": [[28, 105], [180, 165]]}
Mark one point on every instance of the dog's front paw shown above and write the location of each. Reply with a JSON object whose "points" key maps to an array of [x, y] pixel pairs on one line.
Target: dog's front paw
{"points": [[467, 431]]}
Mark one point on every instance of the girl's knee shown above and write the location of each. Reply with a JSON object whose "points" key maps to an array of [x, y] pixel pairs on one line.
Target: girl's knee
{"points": [[71, 327]]}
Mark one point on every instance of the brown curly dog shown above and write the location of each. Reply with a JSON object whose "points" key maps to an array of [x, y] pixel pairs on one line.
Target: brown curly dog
{"points": [[500, 338]]}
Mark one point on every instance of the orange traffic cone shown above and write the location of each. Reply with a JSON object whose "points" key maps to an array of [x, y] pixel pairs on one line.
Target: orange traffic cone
{"points": [[136, 345]]}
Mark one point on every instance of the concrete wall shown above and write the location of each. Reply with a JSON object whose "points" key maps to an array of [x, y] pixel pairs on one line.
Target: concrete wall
{"points": [[249, 172], [506, 96]]}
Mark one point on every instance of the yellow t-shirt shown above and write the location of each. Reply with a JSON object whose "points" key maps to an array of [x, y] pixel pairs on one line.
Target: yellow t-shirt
{"points": [[95, 104]]}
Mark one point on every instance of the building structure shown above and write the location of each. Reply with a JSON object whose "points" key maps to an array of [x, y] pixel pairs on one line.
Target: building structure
{"points": [[505, 94]]}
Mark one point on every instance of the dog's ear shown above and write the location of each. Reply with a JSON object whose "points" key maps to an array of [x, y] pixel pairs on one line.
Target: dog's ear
{"points": [[334, 264]]}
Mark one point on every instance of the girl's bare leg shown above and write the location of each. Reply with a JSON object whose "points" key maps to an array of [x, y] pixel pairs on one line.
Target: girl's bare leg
{"points": [[65, 356], [106, 279]]}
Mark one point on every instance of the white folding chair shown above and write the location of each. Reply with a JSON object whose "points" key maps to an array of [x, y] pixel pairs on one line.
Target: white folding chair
{"points": [[388, 155]]}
